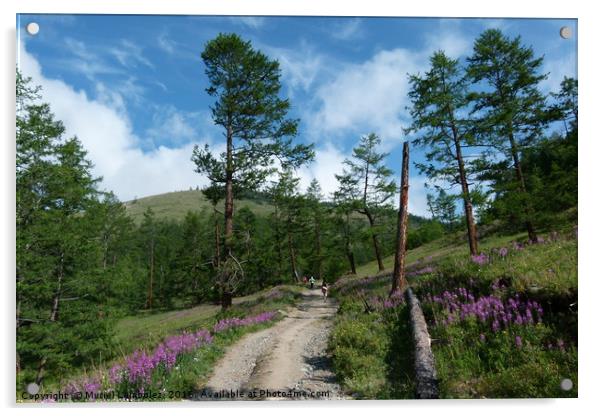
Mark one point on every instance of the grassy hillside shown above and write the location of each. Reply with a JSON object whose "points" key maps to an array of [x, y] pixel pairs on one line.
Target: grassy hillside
{"points": [[175, 205], [525, 350]]}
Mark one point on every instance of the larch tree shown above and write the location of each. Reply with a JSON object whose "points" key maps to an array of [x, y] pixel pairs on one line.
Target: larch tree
{"points": [[257, 132], [317, 214], [374, 188], [512, 111], [288, 205], [344, 207], [439, 112], [59, 317]]}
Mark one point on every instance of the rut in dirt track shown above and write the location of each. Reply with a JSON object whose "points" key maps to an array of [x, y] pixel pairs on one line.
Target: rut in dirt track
{"points": [[291, 355]]}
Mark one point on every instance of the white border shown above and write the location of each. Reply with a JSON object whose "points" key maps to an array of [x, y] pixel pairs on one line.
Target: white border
{"points": [[589, 184]]}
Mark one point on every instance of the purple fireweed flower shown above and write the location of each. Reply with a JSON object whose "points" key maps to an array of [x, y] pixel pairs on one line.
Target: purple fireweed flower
{"points": [[480, 259], [460, 305], [560, 344], [482, 337], [518, 341], [495, 326], [138, 367], [228, 323], [503, 252]]}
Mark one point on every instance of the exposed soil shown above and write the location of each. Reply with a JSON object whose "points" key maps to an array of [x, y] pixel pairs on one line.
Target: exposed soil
{"points": [[289, 359]]}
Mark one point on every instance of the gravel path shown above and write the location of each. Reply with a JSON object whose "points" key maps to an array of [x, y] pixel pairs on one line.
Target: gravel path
{"points": [[288, 360]]}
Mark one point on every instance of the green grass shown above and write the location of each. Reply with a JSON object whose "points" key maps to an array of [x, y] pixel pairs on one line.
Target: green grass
{"points": [[467, 367], [145, 331], [175, 205], [148, 329]]}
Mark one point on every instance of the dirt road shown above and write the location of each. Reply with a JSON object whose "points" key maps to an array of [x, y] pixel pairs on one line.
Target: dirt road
{"points": [[287, 359]]}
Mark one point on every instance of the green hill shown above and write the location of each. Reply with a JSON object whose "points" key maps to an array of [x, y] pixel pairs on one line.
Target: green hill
{"points": [[175, 205]]}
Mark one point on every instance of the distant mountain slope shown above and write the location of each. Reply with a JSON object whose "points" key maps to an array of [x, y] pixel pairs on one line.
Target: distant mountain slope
{"points": [[175, 205]]}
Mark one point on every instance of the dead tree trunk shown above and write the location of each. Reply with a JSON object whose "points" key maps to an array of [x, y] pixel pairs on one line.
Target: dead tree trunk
{"points": [[424, 360], [399, 282]]}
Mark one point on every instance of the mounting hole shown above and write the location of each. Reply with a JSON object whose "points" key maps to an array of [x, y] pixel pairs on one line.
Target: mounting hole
{"points": [[32, 388], [566, 384], [32, 28]]}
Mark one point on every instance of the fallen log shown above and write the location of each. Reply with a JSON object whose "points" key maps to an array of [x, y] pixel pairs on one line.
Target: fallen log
{"points": [[424, 361]]}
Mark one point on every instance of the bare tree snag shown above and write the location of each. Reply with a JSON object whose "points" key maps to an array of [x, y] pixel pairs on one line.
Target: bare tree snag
{"points": [[398, 281]]}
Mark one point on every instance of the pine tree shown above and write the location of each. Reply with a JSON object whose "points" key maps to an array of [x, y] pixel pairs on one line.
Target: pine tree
{"points": [[511, 109], [344, 201], [373, 185], [60, 322], [246, 84], [288, 203], [438, 101], [317, 214]]}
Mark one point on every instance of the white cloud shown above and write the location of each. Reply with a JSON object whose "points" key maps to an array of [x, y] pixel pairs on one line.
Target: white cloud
{"points": [[450, 38], [175, 126], [348, 29], [300, 67], [557, 69], [254, 22], [366, 97], [166, 44], [129, 55], [417, 198], [328, 162], [105, 132]]}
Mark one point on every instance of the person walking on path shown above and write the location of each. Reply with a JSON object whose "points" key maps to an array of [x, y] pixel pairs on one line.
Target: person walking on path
{"points": [[312, 281], [324, 290]]}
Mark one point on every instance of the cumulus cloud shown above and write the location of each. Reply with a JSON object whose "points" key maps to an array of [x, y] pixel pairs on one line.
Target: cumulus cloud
{"points": [[557, 69], [253, 22], [105, 131], [450, 38], [366, 97], [300, 66], [350, 28], [328, 162]]}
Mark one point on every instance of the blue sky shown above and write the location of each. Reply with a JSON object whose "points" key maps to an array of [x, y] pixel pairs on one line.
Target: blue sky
{"points": [[132, 88]]}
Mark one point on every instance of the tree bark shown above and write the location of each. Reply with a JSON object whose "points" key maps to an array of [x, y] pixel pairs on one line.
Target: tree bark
{"points": [[226, 294], [377, 253], [278, 240], [291, 250], [399, 281], [470, 224], [318, 238], [523, 188], [350, 255], [217, 256], [54, 314], [229, 203], [149, 299]]}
